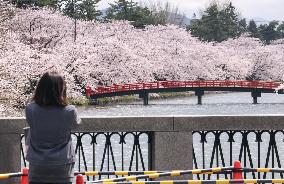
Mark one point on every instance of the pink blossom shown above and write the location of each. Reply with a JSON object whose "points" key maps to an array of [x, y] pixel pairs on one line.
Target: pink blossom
{"points": [[34, 41]]}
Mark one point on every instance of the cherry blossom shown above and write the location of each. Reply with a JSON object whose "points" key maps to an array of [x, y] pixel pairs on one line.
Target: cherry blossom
{"points": [[35, 41]]}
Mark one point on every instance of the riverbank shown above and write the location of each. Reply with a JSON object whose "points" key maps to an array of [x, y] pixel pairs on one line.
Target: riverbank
{"points": [[134, 98], [108, 101]]}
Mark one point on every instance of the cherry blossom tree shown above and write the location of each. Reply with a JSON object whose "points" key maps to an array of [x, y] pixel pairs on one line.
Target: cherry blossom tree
{"points": [[36, 41]]}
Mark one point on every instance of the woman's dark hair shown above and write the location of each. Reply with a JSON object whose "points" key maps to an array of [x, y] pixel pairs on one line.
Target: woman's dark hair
{"points": [[51, 90]]}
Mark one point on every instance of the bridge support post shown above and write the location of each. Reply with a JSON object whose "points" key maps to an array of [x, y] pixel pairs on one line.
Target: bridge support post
{"points": [[145, 97], [94, 101], [199, 94], [255, 94]]}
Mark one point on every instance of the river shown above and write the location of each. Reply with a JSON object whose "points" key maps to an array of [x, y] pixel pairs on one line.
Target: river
{"points": [[213, 104]]}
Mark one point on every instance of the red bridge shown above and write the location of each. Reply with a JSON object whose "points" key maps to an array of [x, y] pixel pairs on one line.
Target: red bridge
{"points": [[199, 86]]}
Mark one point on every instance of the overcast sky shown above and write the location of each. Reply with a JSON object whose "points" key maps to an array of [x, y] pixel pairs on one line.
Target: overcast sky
{"points": [[250, 9]]}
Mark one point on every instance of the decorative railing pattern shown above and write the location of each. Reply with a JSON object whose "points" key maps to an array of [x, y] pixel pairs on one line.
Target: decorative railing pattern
{"points": [[109, 151], [253, 148], [112, 151]]}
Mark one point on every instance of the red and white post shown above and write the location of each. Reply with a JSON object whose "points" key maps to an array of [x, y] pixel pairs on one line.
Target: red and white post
{"points": [[237, 174], [24, 177], [79, 179]]}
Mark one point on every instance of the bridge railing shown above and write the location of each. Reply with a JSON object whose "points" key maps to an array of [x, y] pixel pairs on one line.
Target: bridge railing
{"points": [[180, 84], [175, 143]]}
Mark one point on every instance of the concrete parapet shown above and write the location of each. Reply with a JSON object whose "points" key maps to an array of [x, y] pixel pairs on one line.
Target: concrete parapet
{"points": [[10, 156], [172, 151], [120, 124], [245, 122]]}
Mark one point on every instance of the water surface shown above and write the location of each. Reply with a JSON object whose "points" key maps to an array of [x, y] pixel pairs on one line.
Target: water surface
{"points": [[213, 104]]}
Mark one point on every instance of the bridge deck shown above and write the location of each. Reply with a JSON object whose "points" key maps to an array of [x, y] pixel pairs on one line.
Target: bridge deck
{"points": [[175, 86]]}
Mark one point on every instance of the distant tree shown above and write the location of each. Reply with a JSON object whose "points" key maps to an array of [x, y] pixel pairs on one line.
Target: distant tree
{"points": [[39, 3], [252, 29], [43, 3], [242, 26], [80, 9], [268, 32], [121, 10], [145, 14], [165, 13], [131, 11], [84, 10], [217, 23], [87, 10], [229, 20], [142, 16], [280, 29], [67, 7], [208, 27]]}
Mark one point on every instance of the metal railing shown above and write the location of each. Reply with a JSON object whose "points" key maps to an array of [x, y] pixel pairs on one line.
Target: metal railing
{"points": [[109, 151], [165, 143], [254, 148], [124, 151]]}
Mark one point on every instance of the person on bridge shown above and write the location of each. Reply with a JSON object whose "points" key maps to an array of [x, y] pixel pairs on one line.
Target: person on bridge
{"points": [[49, 145]]}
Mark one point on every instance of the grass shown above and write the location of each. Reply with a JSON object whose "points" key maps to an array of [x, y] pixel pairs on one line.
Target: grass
{"points": [[79, 101], [128, 98], [171, 95]]}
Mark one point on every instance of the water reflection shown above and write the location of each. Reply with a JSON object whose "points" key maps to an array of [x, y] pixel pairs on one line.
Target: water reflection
{"points": [[213, 104]]}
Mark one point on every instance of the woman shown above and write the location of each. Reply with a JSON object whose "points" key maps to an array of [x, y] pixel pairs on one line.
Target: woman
{"points": [[50, 153]]}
